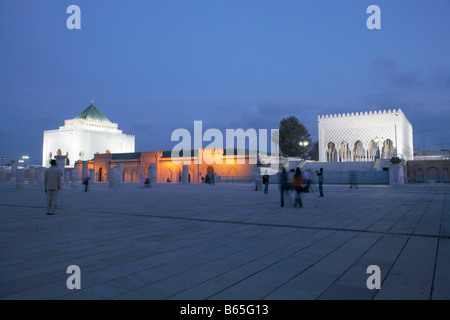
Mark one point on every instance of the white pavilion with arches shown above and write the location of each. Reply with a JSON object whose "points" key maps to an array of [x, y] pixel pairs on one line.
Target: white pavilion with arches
{"points": [[365, 136]]}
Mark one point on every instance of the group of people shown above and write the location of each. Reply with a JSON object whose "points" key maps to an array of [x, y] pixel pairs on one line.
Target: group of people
{"points": [[298, 183]]}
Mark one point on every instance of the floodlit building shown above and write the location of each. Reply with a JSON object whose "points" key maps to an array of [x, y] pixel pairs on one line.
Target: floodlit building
{"points": [[89, 133], [365, 136]]}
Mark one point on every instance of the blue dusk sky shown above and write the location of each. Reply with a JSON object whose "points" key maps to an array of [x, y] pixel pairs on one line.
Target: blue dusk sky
{"points": [[157, 65]]}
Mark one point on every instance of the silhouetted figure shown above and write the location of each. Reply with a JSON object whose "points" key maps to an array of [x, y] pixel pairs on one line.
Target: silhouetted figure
{"points": [[52, 183], [320, 175], [307, 181], [284, 186], [353, 180], [86, 184], [266, 182], [298, 187]]}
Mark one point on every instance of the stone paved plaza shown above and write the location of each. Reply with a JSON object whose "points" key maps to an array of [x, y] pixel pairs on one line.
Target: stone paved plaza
{"points": [[225, 241]]}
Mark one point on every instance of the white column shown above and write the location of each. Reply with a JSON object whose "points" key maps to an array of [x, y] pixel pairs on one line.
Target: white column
{"points": [[114, 177], [20, 178], [31, 175], [41, 174], [14, 165], [119, 168], [2, 175], [185, 176], [153, 173], [92, 175], [74, 177], [84, 169]]}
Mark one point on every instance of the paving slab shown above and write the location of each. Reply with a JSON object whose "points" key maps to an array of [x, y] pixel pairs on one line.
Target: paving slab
{"points": [[197, 241]]}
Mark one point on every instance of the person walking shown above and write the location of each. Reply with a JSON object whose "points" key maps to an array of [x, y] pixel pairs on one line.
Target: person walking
{"points": [[353, 180], [52, 183], [298, 187], [284, 186], [320, 175], [86, 183], [266, 182]]}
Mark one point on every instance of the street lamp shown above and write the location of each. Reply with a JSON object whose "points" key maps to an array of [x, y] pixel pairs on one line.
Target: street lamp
{"points": [[304, 144], [25, 158], [21, 161], [3, 159]]}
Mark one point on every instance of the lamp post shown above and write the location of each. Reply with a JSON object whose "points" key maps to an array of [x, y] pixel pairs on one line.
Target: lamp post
{"points": [[3, 159], [25, 158], [304, 144], [21, 161]]}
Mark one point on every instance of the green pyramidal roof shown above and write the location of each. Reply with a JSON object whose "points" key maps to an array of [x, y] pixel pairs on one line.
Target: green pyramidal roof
{"points": [[92, 113]]}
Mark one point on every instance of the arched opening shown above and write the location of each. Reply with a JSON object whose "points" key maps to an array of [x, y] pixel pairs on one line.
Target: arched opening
{"points": [[100, 173], [344, 152], [419, 175], [67, 159], [168, 176], [132, 175], [372, 151], [388, 149], [358, 151], [330, 152], [445, 176], [432, 174]]}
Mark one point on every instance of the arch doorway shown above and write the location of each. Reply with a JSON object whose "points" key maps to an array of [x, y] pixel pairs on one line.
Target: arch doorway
{"points": [[100, 172]]}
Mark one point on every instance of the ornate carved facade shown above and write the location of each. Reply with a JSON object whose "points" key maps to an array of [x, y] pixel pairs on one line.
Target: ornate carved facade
{"points": [[365, 136]]}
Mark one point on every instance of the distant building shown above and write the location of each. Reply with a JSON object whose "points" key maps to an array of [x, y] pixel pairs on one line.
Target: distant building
{"points": [[82, 137], [136, 164], [365, 136]]}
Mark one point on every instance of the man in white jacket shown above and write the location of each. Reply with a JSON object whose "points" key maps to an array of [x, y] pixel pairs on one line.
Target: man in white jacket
{"points": [[52, 183]]}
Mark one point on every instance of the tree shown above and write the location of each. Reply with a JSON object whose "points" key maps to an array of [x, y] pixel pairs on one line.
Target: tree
{"points": [[292, 133], [313, 152]]}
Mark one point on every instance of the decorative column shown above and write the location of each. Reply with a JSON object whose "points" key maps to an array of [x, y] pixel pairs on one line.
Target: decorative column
{"points": [[92, 175], [2, 175], [185, 177], [20, 178], [153, 173], [67, 177], [61, 165], [84, 169], [119, 172], [114, 177], [31, 175], [14, 165], [41, 175], [74, 177]]}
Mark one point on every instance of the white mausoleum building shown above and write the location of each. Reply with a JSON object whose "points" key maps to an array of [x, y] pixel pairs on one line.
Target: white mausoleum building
{"points": [[80, 138], [364, 136]]}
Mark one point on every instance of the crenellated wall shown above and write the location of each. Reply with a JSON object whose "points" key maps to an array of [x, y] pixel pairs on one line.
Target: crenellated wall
{"points": [[362, 136]]}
